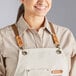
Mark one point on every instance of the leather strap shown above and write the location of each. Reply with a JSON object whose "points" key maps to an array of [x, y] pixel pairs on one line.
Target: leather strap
{"points": [[54, 37], [18, 38], [20, 42]]}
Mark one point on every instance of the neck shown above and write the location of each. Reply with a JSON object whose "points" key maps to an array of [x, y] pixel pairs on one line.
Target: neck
{"points": [[34, 22]]}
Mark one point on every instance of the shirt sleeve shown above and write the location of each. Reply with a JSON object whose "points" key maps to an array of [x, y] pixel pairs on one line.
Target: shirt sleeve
{"points": [[2, 69], [73, 55], [68, 44]]}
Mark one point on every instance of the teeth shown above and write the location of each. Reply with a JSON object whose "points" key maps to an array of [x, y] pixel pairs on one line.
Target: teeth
{"points": [[40, 7]]}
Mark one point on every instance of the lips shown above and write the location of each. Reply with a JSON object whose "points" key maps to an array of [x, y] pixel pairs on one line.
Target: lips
{"points": [[40, 7]]}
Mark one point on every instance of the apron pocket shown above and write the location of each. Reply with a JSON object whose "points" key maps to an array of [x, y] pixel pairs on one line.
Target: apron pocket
{"points": [[44, 72], [38, 72]]}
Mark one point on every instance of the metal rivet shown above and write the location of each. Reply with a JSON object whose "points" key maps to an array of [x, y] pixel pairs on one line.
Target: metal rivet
{"points": [[28, 70], [24, 52], [58, 51]]}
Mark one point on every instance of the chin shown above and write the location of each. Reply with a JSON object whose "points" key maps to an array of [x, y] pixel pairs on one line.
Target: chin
{"points": [[41, 14]]}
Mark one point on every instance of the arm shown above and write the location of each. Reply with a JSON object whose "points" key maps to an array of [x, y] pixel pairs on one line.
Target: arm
{"points": [[73, 69], [73, 55], [68, 44], [73, 60], [2, 69]]}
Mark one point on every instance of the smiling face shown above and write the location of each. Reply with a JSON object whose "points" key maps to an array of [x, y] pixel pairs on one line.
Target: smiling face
{"points": [[37, 7]]}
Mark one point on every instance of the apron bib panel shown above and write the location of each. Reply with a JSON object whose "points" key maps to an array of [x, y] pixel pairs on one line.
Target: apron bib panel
{"points": [[42, 62]]}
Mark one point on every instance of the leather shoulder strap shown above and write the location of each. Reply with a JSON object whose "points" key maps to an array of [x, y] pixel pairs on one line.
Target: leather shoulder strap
{"points": [[18, 38], [54, 37], [20, 42]]}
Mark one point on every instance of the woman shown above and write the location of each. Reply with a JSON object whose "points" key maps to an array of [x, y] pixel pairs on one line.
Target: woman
{"points": [[34, 47]]}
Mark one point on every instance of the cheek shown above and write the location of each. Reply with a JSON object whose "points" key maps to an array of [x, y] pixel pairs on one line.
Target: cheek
{"points": [[50, 3], [26, 2], [29, 3]]}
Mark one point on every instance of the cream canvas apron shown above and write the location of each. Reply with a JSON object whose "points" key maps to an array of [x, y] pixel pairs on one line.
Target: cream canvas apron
{"points": [[41, 61]]}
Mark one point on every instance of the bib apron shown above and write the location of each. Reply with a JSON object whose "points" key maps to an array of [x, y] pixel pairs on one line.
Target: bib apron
{"points": [[41, 61]]}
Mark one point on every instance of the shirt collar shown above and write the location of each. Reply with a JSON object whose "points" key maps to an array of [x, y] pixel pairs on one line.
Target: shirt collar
{"points": [[22, 25], [47, 25]]}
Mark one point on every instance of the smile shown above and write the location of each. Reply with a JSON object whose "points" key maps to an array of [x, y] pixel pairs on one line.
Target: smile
{"points": [[40, 7]]}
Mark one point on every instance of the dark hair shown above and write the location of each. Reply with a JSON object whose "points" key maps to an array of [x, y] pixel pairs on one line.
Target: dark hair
{"points": [[20, 12]]}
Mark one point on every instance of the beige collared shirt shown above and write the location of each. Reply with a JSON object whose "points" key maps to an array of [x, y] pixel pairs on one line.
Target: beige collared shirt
{"points": [[36, 39]]}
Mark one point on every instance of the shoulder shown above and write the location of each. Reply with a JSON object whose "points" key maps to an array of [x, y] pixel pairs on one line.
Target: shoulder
{"points": [[5, 34], [6, 30], [61, 30], [65, 36]]}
